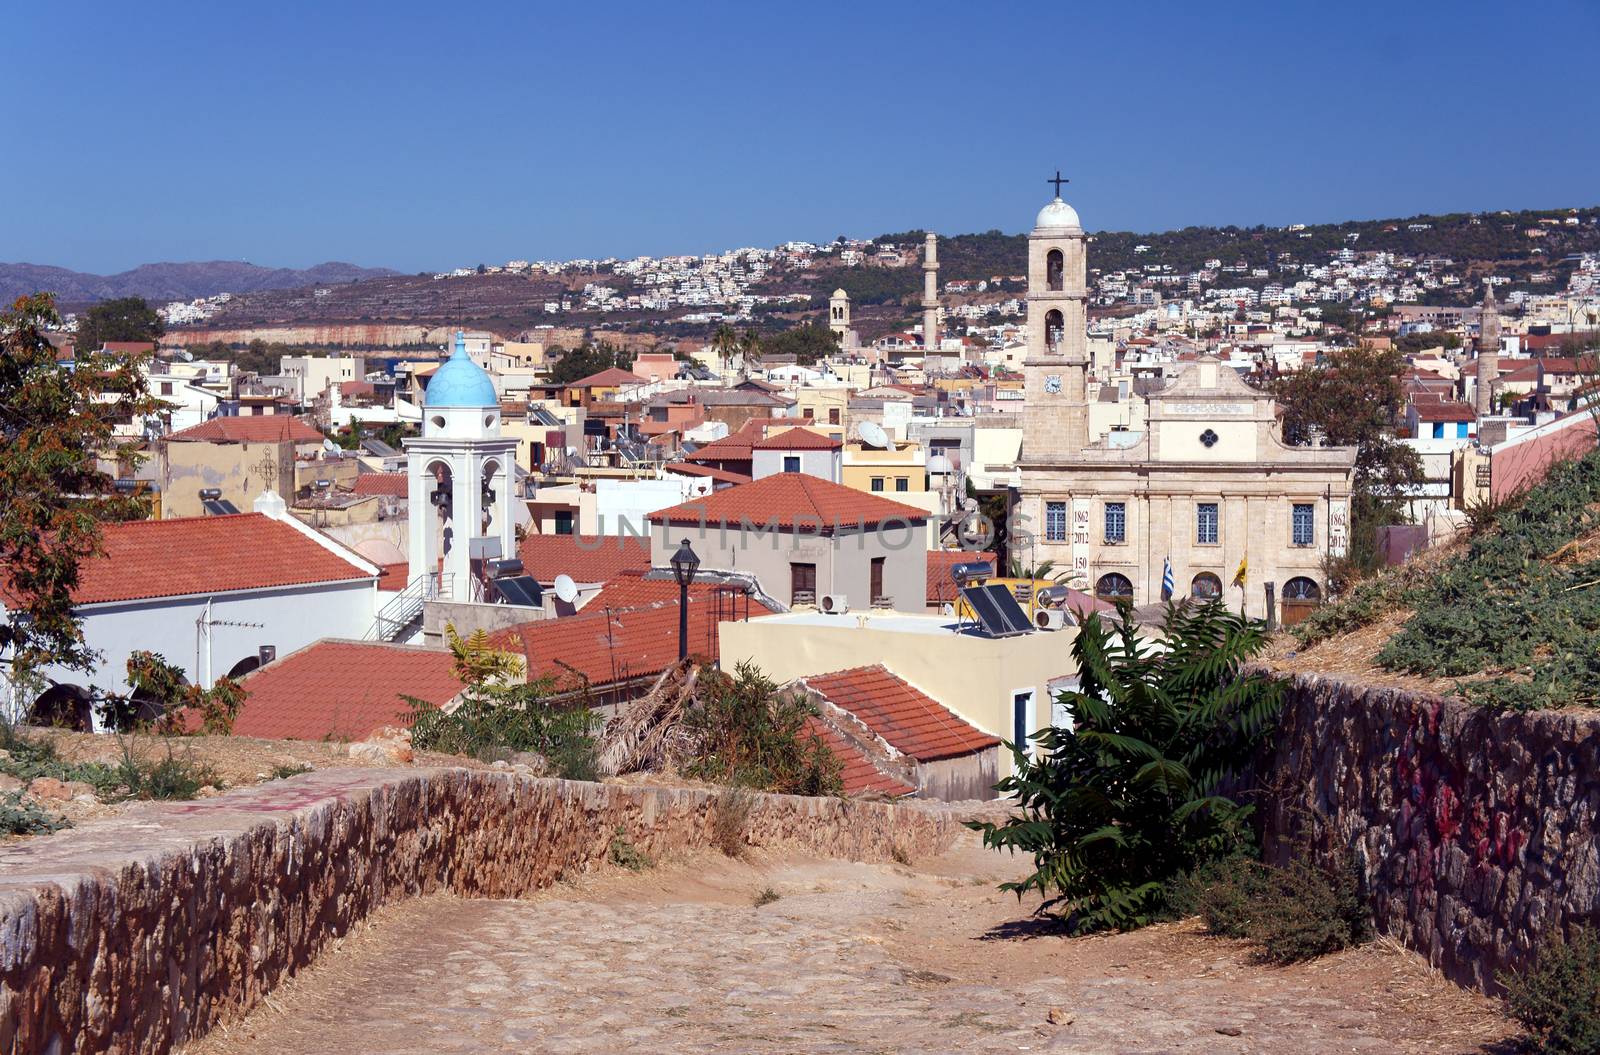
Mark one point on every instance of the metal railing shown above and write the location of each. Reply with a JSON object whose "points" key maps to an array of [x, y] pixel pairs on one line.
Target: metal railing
{"points": [[405, 607]]}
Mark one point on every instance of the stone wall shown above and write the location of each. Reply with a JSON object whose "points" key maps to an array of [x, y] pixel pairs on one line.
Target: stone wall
{"points": [[1475, 830], [140, 933]]}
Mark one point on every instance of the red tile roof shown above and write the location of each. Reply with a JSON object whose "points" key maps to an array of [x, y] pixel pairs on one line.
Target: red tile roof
{"points": [[1443, 411], [722, 476], [941, 587], [797, 440], [791, 501], [587, 558], [910, 720], [390, 484], [196, 555], [257, 428], [857, 773], [606, 647], [342, 689], [394, 576], [611, 377], [734, 447], [352, 389], [129, 347]]}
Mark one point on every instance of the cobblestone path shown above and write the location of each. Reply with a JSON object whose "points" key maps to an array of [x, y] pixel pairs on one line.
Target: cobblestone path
{"points": [[848, 958]]}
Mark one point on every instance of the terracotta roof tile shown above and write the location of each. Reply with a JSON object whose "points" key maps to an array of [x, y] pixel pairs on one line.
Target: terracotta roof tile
{"points": [[631, 589], [797, 440], [342, 689], [390, 484], [721, 476], [394, 576], [909, 719], [1445, 411], [608, 378], [610, 646], [195, 555], [941, 587], [789, 501], [586, 558], [857, 773], [256, 428]]}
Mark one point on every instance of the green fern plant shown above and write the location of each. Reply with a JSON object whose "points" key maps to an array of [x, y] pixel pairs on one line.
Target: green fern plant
{"points": [[1138, 790]]}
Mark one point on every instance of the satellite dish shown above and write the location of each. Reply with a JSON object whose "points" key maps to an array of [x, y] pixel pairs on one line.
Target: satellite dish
{"points": [[872, 435], [566, 589]]}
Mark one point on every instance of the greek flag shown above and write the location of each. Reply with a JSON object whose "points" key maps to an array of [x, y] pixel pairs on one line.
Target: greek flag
{"points": [[1166, 579]]}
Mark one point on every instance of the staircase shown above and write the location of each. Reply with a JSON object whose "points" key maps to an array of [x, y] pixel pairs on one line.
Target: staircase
{"points": [[404, 611]]}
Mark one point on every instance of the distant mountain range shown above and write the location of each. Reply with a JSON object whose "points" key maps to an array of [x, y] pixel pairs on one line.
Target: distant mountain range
{"points": [[160, 283]]}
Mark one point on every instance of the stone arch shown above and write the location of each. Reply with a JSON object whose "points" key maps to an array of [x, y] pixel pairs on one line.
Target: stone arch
{"points": [[1055, 325], [1055, 270], [1300, 598], [1205, 587]]}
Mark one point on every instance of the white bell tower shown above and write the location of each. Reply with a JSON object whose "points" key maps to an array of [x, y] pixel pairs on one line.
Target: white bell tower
{"points": [[460, 475]]}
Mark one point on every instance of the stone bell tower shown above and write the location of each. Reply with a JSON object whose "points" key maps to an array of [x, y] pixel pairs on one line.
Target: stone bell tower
{"points": [[1055, 372], [1488, 354]]}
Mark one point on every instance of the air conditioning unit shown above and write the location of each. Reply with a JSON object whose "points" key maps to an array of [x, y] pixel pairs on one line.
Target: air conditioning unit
{"points": [[834, 604], [1049, 619]]}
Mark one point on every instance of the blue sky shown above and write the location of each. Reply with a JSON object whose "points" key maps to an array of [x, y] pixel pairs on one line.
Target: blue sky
{"points": [[427, 135]]}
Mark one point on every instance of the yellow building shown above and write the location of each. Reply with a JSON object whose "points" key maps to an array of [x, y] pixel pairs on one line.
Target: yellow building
{"points": [[902, 468]]}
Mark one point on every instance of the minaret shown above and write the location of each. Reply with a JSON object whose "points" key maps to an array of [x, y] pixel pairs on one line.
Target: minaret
{"points": [[1488, 353], [1056, 402], [930, 294]]}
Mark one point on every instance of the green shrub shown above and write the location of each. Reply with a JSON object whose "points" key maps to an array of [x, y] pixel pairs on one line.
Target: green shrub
{"points": [[1136, 791], [1308, 911], [21, 817], [754, 736], [496, 720], [766, 897], [1558, 1000], [28, 757], [289, 769], [1514, 605], [624, 854], [169, 778], [1226, 894], [730, 819]]}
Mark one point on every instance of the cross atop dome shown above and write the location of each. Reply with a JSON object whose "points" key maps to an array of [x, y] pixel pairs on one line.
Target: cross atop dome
{"points": [[1058, 181]]}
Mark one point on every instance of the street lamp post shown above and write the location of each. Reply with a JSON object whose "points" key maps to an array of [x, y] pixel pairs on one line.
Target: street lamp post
{"points": [[684, 562]]}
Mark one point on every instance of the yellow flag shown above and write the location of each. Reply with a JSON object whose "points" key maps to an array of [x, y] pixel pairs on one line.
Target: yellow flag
{"points": [[1239, 576]]}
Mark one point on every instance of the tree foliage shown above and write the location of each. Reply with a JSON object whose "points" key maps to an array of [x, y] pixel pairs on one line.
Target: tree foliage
{"points": [[807, 344], [122, 319], [1137, 791], [57, 430], [755, 736], [589, 359], [1356, 403], [1558, 1000]]}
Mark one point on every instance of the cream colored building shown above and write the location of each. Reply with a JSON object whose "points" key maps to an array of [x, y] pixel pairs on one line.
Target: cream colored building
{"points": [[1001, 685], [1208, 483], [898, 470]]}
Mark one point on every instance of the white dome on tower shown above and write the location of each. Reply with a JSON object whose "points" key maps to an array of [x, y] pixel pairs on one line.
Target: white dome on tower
{"points": [[1057, 216]]}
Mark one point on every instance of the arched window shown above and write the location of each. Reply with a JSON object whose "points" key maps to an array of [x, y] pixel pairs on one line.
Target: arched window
{"points": [[1301, 588], [1113, 587], [1055, 269], [1205, 587], [1054, 323]]}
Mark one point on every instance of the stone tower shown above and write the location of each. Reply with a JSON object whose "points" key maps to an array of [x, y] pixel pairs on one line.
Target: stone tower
{"points": [[839, 315], [930, 294], [1055, 373], [1488, 354]]}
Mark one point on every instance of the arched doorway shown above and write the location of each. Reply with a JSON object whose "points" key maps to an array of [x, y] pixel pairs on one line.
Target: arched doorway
{"points": [[1205, 587], [1114, 587], [1300, 597]]}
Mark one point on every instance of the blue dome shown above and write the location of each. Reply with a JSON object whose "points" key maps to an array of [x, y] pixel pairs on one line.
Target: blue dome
{"points": [[460, 382]]}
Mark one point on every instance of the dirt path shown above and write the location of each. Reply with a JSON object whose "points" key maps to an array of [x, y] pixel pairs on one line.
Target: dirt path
{"points": [[848, 958]]}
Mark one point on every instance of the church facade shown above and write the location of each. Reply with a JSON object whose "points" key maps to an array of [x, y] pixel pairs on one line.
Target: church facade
{"points": [[1209, 487]]}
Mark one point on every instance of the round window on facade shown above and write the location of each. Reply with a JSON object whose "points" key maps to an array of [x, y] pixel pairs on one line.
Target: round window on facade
{"points": [[1208, 438], [438, 421], [488, 421], [1301, 588]]}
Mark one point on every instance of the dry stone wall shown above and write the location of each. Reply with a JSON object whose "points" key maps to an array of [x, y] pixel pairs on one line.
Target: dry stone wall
{"points": [[137, 934], [1475, 831]]}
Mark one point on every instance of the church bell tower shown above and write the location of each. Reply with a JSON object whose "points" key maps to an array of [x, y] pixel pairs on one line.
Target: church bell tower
{"points": [[1055, 372]]}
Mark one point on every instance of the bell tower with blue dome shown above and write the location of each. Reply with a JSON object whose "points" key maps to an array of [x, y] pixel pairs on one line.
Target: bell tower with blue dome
{"points": [[460, 474]]}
